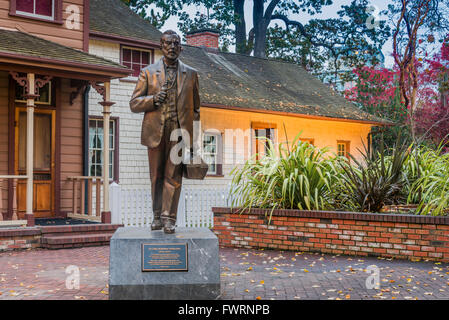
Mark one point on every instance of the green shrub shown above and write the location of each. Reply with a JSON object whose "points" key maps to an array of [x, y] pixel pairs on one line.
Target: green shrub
{"points": [[429, 182], [308, 178], [300, 178], [376, 181]]}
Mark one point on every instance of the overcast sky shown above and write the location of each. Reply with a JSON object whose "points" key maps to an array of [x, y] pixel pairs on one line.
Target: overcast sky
{"points": [[327, 12]]}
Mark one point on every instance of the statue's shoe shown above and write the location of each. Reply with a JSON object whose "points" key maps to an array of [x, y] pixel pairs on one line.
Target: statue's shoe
{"points": [[169, 226], [156, 224], [169, 221]]}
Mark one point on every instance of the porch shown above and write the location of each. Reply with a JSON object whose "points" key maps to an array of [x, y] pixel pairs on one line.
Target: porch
{"points": [[42, 94]]}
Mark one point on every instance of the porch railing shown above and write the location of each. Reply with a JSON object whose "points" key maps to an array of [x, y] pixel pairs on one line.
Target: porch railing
{"points": [[4, 186], [86, 186]]}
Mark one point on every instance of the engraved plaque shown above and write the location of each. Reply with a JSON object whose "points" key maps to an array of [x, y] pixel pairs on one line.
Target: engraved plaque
{"points": [[164, 257]]}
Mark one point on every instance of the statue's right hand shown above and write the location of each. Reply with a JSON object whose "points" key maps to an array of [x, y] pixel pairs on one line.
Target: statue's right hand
{"points": [[160, 97]]}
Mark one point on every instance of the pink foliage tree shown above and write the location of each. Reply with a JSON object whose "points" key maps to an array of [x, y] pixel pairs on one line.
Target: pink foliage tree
{"points": [[432, 115], [377, 92]]}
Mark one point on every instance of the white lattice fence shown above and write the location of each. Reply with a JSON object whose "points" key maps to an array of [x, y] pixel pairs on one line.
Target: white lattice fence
{"points": [[133, 207]]}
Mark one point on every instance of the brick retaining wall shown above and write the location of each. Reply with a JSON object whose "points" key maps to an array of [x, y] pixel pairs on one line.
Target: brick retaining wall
{"points": [[20, 238], [387, 235]]}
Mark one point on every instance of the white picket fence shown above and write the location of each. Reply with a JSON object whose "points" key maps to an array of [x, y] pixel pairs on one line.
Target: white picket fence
{"points": [[133, 206]]}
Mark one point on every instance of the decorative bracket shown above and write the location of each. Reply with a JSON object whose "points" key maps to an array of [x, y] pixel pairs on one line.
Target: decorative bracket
{"points": [[41, 82], [23, 82], [99, 88]]}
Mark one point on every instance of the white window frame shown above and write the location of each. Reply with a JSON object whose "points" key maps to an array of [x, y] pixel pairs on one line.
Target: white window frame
{"points": [[346, 150], [112, 148], [258, 141], [150, 57], [215, 155], [35, 15]]}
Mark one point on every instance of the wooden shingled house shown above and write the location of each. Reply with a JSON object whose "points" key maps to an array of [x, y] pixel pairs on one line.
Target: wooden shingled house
{"points": [[239, 94], [44, 68]]}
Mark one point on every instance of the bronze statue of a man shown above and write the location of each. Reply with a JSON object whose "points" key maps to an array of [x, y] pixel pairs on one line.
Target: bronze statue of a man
{"points": [[167, 92]]}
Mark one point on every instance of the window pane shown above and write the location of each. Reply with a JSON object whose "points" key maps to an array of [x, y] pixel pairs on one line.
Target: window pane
{"points": [[42, 141], [96, 145], [92, 132], [44, 7], [126, 55], [210, 152], [145, 58], [111, 142], [98, 172], [136, 69], [99, 157], [20, 93], [25, 6], [44, 94], [22, 139], [136, 56], [209, 149]]}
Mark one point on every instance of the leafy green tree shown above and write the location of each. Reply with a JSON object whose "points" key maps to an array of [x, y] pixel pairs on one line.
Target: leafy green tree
{"points": [[349, 41], [341, 36]]}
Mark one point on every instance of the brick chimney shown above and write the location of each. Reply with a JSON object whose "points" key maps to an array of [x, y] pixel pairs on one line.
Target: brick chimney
{"points": [[203, 38]]}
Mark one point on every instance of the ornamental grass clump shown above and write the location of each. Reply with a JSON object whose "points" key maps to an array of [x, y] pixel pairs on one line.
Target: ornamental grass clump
{"points": [[377, 180], [430, 186], [300, 177]]}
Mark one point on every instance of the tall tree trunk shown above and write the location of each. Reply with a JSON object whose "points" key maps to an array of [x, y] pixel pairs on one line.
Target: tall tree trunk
{"points": [[260, 44], [260, 30], [414, 74], [240, 26]]}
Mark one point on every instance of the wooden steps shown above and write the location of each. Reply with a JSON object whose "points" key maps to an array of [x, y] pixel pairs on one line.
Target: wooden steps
{"points": [[75, 236]]}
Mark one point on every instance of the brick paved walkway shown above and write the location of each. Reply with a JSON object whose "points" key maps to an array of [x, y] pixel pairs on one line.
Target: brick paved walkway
{"points": [[246, 274]]}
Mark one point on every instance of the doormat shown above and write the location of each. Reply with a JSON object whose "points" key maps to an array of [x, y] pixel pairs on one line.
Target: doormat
{"points": [[61, 221]]}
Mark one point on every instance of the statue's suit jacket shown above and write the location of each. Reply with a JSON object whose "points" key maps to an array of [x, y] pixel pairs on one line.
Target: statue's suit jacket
{"points": [[150, 81]]}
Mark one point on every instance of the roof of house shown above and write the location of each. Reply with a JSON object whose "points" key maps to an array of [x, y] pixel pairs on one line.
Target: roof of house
{"points": [[247, 82], [113, 17], [236, 80], [22, 44]]}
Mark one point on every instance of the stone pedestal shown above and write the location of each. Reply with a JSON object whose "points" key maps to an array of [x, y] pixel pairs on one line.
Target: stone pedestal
{"points": [[128, 281]]}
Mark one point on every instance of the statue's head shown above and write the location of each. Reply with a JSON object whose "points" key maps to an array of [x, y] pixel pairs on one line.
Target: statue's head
{"points": [[171, 45]]}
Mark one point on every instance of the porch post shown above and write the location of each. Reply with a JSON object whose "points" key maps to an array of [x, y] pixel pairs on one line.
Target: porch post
{"points": [[30, 148], [106, 213]]}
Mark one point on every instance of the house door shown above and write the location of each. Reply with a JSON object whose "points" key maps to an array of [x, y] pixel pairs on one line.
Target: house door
{"points": [[43, 162]]}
